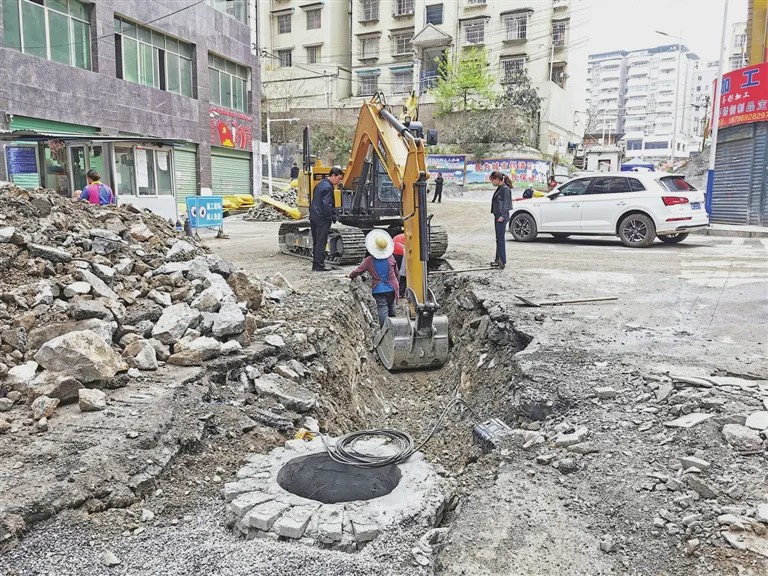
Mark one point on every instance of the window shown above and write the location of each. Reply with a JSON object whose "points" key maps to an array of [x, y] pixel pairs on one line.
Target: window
{"points": [[229, 83], [558, 74], [401, 43], [237, 9], [153, 59], [475, 2], [741, 40], [313, 19], [284, 24], [402, 82], [511, 68], [635, 185], [403, 7], [515, 26], [609, 186], [474, 31], [656, 145], [575, 187], [634, 144], [558, 34], [435, 14], [369, 84], [313, 54], [57, 30], [369, 10], [285, 58], [676, 184], [369, 47]]}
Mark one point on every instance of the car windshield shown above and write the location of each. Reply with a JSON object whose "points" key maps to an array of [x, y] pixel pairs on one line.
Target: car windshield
{"points": [[676, 184]]}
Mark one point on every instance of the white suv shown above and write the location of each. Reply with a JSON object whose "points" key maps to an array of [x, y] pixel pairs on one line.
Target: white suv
{"points": [[635, 206]]}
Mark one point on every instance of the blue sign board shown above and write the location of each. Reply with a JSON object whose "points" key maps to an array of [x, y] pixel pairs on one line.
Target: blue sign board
{"points": [[21, 160], [205, 211]]}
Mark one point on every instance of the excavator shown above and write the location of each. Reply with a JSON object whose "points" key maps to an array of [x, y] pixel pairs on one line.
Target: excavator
{"points": [[385, 183]]}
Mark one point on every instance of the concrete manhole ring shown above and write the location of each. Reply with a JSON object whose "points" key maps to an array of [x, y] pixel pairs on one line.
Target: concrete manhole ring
{"points": [[329, 504]]}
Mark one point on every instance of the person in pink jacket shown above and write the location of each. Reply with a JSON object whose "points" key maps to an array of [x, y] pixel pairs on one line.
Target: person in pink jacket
{"points": [[383, 271]]}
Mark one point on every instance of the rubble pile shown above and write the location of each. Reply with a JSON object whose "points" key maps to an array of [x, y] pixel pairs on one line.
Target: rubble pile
{"points": [[92, 296], [265, 213]]}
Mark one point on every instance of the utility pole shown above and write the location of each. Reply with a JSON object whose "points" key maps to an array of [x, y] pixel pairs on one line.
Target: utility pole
{"points": [[716, 114]]}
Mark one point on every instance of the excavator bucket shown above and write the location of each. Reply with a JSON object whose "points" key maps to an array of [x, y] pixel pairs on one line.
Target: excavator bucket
{"points": [[401, 347]]}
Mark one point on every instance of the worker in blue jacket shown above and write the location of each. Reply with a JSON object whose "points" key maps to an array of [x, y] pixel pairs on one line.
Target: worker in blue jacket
{"points": [[322, 214]]}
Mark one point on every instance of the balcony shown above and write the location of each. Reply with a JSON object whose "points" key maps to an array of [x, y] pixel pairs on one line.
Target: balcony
{"points": [[560, 4]]}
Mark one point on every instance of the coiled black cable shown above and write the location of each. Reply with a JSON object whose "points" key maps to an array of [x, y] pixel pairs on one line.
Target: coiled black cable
{"points": [[343, 451]]}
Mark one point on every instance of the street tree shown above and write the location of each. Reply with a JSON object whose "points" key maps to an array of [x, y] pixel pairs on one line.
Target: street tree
{"points": [[521, 94], [466, 85]]}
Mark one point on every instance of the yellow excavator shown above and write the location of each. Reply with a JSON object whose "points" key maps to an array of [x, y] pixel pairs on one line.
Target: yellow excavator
{"points": [[385, 183]]}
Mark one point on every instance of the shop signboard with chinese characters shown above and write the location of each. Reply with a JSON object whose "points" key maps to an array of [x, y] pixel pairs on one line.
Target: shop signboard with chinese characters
{"points": [[523, 173], [230, 129], [452, 167], [744, 96]]}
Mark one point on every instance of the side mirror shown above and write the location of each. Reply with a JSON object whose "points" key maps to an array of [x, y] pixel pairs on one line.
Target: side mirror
{"points": [[431, 137], [553, 196]]}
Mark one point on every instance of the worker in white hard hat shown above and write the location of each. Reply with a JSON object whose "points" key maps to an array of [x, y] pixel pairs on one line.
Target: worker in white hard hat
{"points": [[383, 271]]}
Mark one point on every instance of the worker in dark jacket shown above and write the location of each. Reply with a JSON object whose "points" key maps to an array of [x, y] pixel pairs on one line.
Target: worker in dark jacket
{"points": [[294, 171], [501, 204], [438, 188], [322, 214]]}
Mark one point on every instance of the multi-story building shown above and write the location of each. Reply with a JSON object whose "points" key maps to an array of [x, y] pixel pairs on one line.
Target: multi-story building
{"points": [[305, 50], [159, 98], [654, 110], [737, 46], [702, 91], [396, 46], [757, 32]]}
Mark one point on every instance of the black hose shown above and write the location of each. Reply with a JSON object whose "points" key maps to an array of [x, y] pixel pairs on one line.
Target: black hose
{"points": [[344, 451]]}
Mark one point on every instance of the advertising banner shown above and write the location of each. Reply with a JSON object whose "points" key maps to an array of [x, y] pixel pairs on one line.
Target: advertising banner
{"points": [[744, 96], [523, 173], [231, 129], [452, 167]]}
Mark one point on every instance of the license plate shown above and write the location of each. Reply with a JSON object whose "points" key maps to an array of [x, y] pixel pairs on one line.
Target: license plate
{"points": [[696, 205]]}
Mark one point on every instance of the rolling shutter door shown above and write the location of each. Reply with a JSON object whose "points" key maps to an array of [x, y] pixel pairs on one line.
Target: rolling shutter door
{"points": [[230, 172], [733, 176], [758, 206], [185, 164]]}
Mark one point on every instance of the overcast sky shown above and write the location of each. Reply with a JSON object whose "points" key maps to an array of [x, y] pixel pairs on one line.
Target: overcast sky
{"points": [[630, 24]]}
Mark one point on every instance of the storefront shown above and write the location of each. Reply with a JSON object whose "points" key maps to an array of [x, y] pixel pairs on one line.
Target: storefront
{"points": [[231, 158], [141, 171]]}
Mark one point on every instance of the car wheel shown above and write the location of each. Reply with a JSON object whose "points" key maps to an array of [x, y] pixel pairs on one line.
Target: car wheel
{"points": [[637, 231], [523, 227], [560, 236], [673, 238]]}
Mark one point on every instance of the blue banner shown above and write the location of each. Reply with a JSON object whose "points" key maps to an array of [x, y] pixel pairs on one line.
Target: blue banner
{"points": [[21, 160], [205, 211]]}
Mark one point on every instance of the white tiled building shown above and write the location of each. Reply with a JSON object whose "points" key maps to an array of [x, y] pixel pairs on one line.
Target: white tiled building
{"points": [[395, 46], [647, 96]]}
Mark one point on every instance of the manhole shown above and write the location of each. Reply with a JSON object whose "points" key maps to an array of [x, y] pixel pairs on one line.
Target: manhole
{"points": [[299, 493], [319, 477]]}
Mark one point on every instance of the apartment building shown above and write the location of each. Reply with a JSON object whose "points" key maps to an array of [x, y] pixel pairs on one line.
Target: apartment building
{"points": [[647, 99], [305, 53], [160, 99], [396, 46], [737, 46]]}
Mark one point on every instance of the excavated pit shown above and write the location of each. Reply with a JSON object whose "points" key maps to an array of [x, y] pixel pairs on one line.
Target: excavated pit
{"points": [[319, 477]]}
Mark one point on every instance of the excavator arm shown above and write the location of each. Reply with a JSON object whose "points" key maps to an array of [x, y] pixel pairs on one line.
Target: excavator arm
{"points": [[420, 339]]}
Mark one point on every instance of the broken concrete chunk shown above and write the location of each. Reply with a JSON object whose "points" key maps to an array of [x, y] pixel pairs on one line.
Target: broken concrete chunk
{"points": [[82, 355], [44, 407], [98, 287], [229, 321], [263, 516], [290, 394], [275, 340], [209, 300], [140, 232], [293, 522], [246, 290], [20, 376], [742, 438], [76, 289], [85, 309], [564, 440], [54, 385], [174, 323], [143, 353], [757, 420], [186, 358], [49, 253], [693, 462], [606, 393], [92, 400], [689, 420], [181, 251], [702, 488]]}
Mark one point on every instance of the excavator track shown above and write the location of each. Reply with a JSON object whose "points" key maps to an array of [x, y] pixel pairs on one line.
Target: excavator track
{"points": [[346, 244], [438, 242]]}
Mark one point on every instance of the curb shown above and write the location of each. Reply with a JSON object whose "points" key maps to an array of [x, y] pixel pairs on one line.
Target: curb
{"points": [[732, 233]]}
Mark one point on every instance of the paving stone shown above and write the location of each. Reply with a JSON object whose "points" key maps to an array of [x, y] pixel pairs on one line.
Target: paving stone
{"points": [[243, 503], [330, 525], [293, 522], [364, 528], [263, 516]]}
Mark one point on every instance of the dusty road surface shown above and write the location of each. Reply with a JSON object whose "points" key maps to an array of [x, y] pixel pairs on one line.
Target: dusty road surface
{"points": [[601, 476]]}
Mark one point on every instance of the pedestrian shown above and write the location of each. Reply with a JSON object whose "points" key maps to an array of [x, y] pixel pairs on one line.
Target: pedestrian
{"points": [[294, 171], [501, 204], [97, 192], [382, 268], [322, 214], [438, 188], [399, 255]]}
